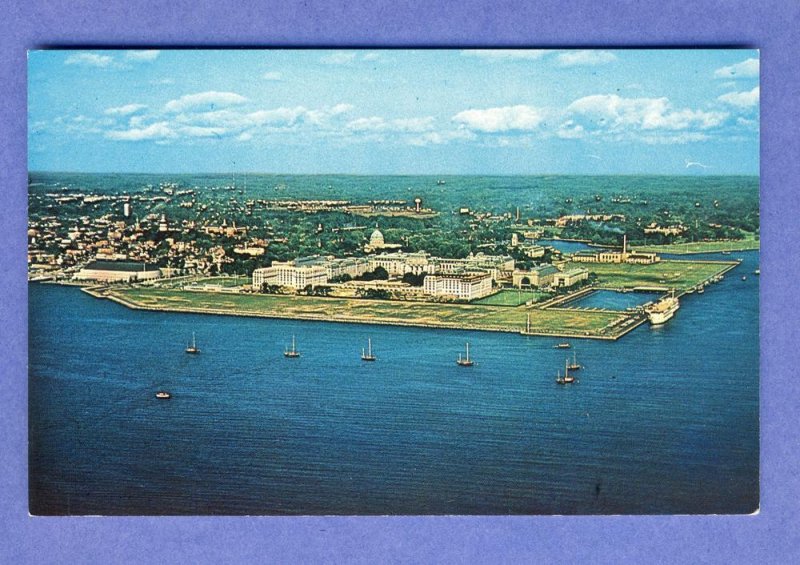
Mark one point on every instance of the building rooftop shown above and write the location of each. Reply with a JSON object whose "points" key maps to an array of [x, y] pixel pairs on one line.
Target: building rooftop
{"points": [[126, 266]]}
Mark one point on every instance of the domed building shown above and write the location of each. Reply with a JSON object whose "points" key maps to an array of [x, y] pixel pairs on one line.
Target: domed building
{"points": [[378, 243], [376, 240]]}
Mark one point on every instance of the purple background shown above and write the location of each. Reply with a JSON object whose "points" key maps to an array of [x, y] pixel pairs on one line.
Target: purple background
{"points": [[769, 537]]}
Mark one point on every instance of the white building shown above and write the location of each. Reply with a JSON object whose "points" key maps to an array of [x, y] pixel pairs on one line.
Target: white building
{"points": [[398, 264], [305, 271], [298, 274], [570, 277], [118, 271], [464, 286]]}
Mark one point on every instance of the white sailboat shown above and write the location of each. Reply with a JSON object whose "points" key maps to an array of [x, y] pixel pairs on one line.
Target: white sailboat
{"points": [[567, 378], [192, 347], [293, 351], [366, 355], [465, 361]]}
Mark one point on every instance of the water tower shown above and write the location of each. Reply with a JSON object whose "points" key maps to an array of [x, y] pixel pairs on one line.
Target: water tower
{"points": [[418, 205]]}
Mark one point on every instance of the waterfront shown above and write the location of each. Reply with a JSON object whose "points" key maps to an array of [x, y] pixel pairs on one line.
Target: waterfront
{"points": [[663, 421]]}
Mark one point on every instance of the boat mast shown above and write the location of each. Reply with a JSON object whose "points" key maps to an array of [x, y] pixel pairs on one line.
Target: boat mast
{"points": [[467, 351], [194, 343], [369, 347]]}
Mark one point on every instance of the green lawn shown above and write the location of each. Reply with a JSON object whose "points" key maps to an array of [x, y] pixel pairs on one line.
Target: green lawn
{"points": [[680, 275], [750, 242], [467, 316], [224, 281], [510, 297]]}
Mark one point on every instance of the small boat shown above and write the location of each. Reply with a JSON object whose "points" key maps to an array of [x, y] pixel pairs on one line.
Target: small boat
{"points": [[440, 182], [163, 395], [465, 361], [567, 378], [700, 290], [564, 345], [574, 366], [744, 277], [192, 347], [292, 352], [757, 272], [366, 355]]}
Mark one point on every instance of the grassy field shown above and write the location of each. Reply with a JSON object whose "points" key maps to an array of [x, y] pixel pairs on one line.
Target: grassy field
{"points": [[224, 281], [751, 242], [465, 316], [672, 274], [509, 297]]}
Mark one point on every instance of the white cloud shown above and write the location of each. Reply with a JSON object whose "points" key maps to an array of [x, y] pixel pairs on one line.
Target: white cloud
{"points": [[272, 75], [196, 131], [506, 54], [674, 138], [246, 136], [441, 137], [371, 56], [211, 98], [142, 55], [400, 125], [277, 117], [584, 57], [613, 113], [506, 118], [741, 99], [322, 116], [125, 110], [89, 60], [156, 131], [745, 69], [339, 58]]}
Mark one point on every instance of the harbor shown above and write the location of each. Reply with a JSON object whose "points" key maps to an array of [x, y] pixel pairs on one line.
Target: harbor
{"points": [[375, 429]]}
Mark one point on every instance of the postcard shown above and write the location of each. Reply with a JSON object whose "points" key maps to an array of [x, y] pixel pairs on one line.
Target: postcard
{"points": [[393, 282]]}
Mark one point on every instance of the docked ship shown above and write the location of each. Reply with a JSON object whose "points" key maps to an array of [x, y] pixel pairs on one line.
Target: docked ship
{"points": [[663, 310]]}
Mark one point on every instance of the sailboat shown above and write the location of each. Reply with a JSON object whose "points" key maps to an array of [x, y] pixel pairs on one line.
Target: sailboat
{"points": [[567, 378], [574, 366], [192, 347], [366, 355], [465, 361], [293, 351]]}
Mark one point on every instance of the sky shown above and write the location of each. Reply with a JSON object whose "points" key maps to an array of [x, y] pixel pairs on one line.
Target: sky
{"points": [[474, 111]]}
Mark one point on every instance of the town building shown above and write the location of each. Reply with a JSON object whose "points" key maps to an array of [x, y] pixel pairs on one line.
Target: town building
{"points": [[400, 263], [462, 286], [540, 276], [297, 274], [304, 271], [118, 271], [570, 277], [378, 243]]}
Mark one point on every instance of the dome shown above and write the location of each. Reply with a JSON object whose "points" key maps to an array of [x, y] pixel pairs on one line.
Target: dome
{"points": [[376, 239]]}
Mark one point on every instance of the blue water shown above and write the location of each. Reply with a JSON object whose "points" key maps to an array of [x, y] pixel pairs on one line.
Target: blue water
{"points": [[565, 246], [612, 300], [662, 421]]}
